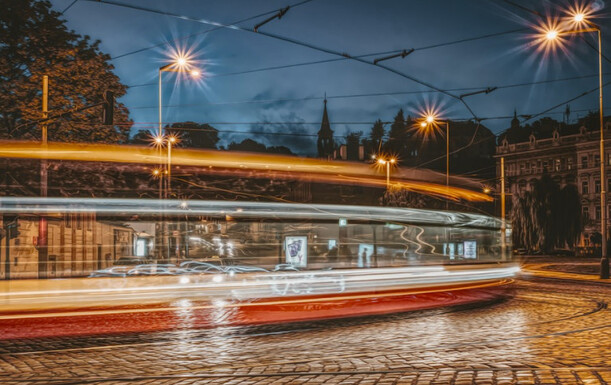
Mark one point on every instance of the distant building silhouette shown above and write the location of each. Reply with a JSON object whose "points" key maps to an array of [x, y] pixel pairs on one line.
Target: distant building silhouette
{"points": [[326, 146]]}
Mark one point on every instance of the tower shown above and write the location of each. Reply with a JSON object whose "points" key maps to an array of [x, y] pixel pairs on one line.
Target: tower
{"points": [[325, 136]]}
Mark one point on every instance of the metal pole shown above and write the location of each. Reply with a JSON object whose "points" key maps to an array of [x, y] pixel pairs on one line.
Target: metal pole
{"points": [[503, 226], [447, 161], [604, 261], [169, 167], [159, 133], [387, 174], [447, 154], [42, 221]]}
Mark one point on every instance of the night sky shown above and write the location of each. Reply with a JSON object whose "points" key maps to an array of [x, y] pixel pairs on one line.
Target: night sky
{"points": [[293, 96]]}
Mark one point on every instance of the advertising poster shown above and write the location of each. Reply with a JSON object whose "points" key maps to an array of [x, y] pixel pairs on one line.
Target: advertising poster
{"points": [[365, 253], [470, 249], [296, 250]]}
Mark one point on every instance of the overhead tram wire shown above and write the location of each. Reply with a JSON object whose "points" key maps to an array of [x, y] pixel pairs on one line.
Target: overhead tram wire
{"points": [[262, 101], [68, 7], [203, 32], [299, 43], [273, 68]]}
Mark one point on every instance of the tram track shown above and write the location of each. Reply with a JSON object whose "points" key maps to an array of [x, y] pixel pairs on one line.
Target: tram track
{"points": [[327, 325], [562, 297], [400, 371]]}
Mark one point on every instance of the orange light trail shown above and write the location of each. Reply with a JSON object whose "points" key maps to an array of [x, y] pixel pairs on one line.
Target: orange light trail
{"points": [[315, 170]]}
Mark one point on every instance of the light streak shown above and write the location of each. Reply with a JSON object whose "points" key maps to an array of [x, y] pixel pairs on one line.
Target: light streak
{"points": [[313, 170], [246, 210], [104, 292]]}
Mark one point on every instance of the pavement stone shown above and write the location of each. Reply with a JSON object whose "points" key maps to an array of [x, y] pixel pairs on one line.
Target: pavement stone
{"points": [[549, 332]]}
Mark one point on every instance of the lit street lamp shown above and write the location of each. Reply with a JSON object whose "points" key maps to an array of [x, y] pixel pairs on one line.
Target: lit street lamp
{"points": [[387, 162], [182, 64], [552, 36], [431, 120]]}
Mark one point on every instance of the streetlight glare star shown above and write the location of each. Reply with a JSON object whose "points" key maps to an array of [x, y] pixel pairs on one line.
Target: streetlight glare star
{"points": [[551, 35], [579, 17]]}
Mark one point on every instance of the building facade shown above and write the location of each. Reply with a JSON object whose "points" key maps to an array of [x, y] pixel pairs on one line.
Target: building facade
{"points": [[570, 157]]}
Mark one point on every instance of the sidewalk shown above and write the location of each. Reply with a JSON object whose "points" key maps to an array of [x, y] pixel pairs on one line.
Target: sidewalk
{"points": [[561, 267]]}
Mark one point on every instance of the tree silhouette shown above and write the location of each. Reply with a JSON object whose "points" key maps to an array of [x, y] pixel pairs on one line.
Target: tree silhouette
{"points": [[547, 217], [195, 135], [35, 42], [397, 136]]}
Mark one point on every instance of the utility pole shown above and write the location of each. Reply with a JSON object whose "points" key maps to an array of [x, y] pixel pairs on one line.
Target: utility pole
{"points": [[42, 222], [503, 241]]}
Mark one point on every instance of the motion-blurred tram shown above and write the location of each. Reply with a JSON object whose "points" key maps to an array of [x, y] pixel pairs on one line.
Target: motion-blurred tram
{"points": [[238, 263]]}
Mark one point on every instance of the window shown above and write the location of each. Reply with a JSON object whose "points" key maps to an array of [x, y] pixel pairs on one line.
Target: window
{"points": [[598, 212], [608, 185], [596, 160], [569, 163], [584, 162], [608, 159], [596, 186], [586, 212], [557, 165], [584, 187]]}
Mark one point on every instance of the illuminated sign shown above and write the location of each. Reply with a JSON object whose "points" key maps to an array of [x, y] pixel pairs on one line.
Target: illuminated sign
{"points": [[365, 253], [296, 250], [470, 249]]}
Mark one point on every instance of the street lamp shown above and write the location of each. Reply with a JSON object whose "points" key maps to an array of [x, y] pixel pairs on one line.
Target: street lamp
{"points": [[181, 64], [387, 162], [431, 121], [551, 36]]}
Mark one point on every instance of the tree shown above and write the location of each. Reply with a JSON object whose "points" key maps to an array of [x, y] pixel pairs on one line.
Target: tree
{"points": [[397, 136], [247, 145], [142, 137], [547, 217], [195, 135], [376, 136], [353, 142], [35, 42]]}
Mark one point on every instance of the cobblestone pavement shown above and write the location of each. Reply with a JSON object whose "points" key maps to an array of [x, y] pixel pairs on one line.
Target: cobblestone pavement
{"points": [[549, 332]]}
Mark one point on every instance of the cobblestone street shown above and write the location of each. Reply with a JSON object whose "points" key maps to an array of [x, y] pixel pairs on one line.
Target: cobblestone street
{"points": [[549, 332]]}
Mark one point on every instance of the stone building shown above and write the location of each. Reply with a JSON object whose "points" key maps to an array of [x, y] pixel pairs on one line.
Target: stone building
{"points": [[77, 244], [570, 154]]}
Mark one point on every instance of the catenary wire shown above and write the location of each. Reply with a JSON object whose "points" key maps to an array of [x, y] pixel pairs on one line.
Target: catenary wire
{"points": [[203, 32], [284, 66], [299, 43], [375, 94]]}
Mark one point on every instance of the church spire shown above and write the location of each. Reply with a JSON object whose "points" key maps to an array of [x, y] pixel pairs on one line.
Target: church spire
{"points": [[325, 135], [515, 122]]}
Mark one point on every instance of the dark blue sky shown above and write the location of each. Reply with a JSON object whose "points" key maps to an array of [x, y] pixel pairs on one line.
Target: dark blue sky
{"points": [[356, 27]]}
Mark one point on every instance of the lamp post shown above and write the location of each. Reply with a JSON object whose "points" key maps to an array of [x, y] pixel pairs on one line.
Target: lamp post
{"points": [[387, 162], [431, 120], [552, 35], [182, 64]]}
